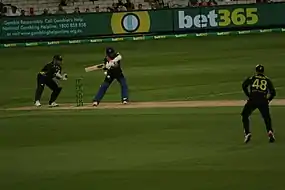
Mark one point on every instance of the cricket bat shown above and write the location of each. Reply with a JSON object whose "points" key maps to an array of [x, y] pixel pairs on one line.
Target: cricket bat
{"points": [[94, 68]]}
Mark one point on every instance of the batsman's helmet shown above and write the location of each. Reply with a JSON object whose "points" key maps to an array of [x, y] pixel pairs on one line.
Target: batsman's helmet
{"points": [[259, 68], [110, 51]]}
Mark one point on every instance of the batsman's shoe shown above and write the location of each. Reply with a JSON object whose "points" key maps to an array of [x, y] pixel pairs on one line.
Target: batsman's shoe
{"points": [[95, 104], [247, 138], [53, 104], [125, 101], [37, 103], [271, 137]]}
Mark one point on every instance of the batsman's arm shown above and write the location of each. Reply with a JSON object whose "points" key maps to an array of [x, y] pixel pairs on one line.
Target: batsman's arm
{"points": [[118, 58], [114, 62]]}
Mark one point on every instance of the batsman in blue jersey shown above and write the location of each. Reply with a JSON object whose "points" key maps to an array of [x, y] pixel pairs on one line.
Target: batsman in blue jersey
{"points": [[112, 65]]}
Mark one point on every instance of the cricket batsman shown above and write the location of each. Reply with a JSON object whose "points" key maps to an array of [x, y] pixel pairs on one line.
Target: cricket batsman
{"points": [[47, 76], [112, 66]]}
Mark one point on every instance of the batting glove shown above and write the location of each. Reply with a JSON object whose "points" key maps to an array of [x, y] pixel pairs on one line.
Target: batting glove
{"points": [[110, 64]]}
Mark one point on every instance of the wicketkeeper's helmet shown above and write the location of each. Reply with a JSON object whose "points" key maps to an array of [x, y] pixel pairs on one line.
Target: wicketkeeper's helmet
{"points": [[57, 57]]}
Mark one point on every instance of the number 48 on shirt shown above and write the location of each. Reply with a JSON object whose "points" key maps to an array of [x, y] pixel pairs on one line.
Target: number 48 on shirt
{"points": [[260, 84]]}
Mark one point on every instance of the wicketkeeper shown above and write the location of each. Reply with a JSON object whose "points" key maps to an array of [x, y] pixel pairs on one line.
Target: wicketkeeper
{"points": [[47, 76], [112, 65]]}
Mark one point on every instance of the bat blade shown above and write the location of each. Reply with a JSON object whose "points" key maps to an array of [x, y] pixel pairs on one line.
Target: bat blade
{"points": [[93, 68]]}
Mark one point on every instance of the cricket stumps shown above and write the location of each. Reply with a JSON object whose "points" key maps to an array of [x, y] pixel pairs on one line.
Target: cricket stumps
{"points": [[79, 91]]}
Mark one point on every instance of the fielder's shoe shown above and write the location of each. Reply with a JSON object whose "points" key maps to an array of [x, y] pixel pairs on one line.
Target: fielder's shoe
{"points": [[271, 137], [95, 104], [247, 138], [37, 103], [53, 104]]}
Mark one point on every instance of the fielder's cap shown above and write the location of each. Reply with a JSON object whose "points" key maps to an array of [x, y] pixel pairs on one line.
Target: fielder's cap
{"points": [[57, 57], [110, 50], [259, 68]]}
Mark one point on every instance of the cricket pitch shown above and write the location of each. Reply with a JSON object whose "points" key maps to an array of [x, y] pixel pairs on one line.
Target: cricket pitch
{"points": [[136, 105]]}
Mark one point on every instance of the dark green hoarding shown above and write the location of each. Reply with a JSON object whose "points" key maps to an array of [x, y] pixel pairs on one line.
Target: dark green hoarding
{"points": [[237, 16], [53, 26], [171, 20], [80, 25]]}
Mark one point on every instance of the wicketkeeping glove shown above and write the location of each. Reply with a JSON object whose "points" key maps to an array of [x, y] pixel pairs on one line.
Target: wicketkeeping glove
{"points": [[64, 76]]}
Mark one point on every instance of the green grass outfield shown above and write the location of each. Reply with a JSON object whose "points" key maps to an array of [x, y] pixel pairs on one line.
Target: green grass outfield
{"points": [[201, 68], [143, 149]]}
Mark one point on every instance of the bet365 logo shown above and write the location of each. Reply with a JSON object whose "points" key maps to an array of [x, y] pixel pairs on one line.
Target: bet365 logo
{"points": [[219, 18]]}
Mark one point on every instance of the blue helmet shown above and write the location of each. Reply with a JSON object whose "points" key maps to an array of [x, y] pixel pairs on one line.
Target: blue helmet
{"points": [[110, 51]]}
